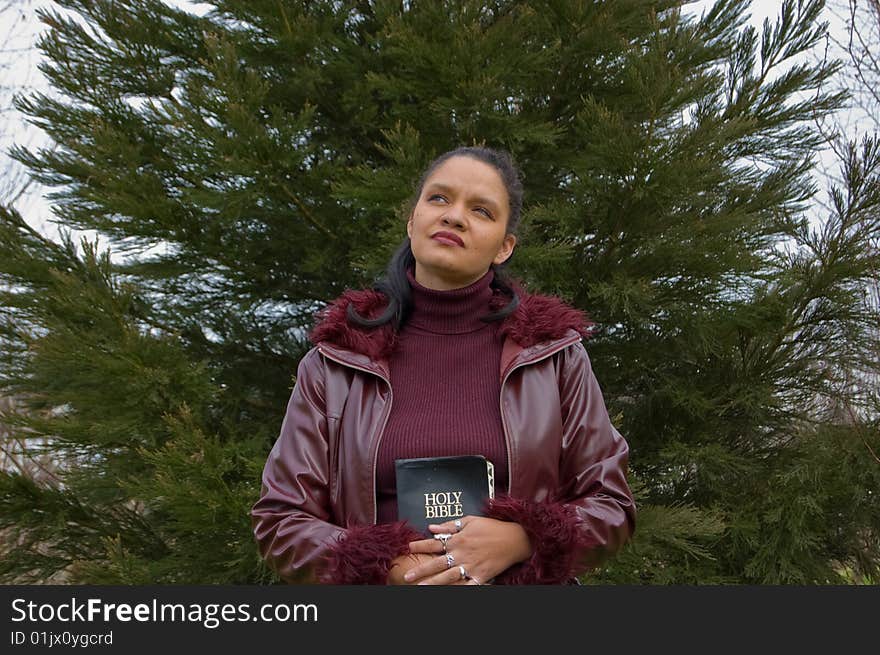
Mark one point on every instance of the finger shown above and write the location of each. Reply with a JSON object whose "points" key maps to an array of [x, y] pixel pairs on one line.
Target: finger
{"points": [[430, 546], [448, 577], [435, 566], [449, 526]]}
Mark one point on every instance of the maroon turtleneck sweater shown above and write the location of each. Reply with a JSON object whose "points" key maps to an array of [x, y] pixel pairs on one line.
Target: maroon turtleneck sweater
{"points": [[445, 386]]}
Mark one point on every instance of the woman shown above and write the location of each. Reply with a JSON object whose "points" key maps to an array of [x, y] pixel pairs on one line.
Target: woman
{"points": [[446, 356]]}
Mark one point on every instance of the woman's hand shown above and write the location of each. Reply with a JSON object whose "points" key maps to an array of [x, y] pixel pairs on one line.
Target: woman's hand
{"points": [[484, 547], [403, 563]]}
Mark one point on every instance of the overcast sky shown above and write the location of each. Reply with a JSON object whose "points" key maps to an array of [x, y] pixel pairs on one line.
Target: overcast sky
{"points": [[18, 70]]}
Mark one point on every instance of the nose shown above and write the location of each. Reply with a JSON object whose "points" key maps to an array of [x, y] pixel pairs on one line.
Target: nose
{"points": [[453, 216]]}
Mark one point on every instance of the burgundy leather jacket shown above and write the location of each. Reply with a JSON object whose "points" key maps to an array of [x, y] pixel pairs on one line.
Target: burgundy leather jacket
{"points": [[566, 462]]}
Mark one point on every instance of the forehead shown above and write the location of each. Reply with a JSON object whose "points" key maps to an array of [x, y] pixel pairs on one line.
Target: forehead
{"points": [[469, 175]]}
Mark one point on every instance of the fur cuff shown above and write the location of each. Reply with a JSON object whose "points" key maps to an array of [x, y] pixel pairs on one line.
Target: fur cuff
{"points": [[553, 531], [364, 554]]}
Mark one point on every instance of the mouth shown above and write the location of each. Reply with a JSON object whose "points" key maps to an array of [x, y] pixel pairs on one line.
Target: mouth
{"points": [[448, 238]]}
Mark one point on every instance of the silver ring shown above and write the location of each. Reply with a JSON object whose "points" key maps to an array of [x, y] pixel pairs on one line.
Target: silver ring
{"points": [[457, 524], [463, 573], [450, 560], [443, 537]]}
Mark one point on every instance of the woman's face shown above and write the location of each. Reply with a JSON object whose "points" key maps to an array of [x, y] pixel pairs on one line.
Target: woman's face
{"points": [[466, 199]]}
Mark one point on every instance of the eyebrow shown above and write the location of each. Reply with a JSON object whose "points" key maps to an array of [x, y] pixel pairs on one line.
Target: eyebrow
{"points": [[439, 186]]}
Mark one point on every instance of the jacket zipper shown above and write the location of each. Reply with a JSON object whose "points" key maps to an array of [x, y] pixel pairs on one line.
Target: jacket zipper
{"points": [[387, 413], [552, 352]]}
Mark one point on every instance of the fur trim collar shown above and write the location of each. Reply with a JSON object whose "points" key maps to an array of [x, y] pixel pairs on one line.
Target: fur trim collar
{"points": [[537, 319]]}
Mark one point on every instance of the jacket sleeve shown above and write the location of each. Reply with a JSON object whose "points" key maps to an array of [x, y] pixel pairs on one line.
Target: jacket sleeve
{"points": [[593, 513], [292, 521]]}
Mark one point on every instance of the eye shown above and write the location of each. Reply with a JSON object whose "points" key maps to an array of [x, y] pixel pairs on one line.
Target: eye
{"points": [[436, 196], [484, 211]]}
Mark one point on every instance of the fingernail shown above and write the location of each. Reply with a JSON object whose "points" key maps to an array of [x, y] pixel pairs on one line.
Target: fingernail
{"points": [[408, 576]]}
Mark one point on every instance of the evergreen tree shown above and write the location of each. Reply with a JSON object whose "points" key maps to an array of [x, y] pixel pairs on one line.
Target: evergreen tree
{"points": [[245, 167]]}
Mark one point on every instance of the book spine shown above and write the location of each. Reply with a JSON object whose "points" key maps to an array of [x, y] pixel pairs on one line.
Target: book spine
{"points": [[490, 470]]}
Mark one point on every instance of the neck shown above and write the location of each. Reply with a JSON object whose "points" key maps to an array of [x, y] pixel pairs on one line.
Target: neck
{"points": [[452, 311], [429, 279]]}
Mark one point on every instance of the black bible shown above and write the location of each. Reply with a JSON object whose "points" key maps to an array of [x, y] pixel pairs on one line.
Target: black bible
{"points": [[434, 490]]}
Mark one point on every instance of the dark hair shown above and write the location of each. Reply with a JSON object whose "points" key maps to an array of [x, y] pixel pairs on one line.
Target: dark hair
{"points": [[395, 284]]}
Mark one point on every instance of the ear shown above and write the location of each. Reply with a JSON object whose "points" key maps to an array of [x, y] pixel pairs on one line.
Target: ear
{"points": [[506, 249], [409, 222]]}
